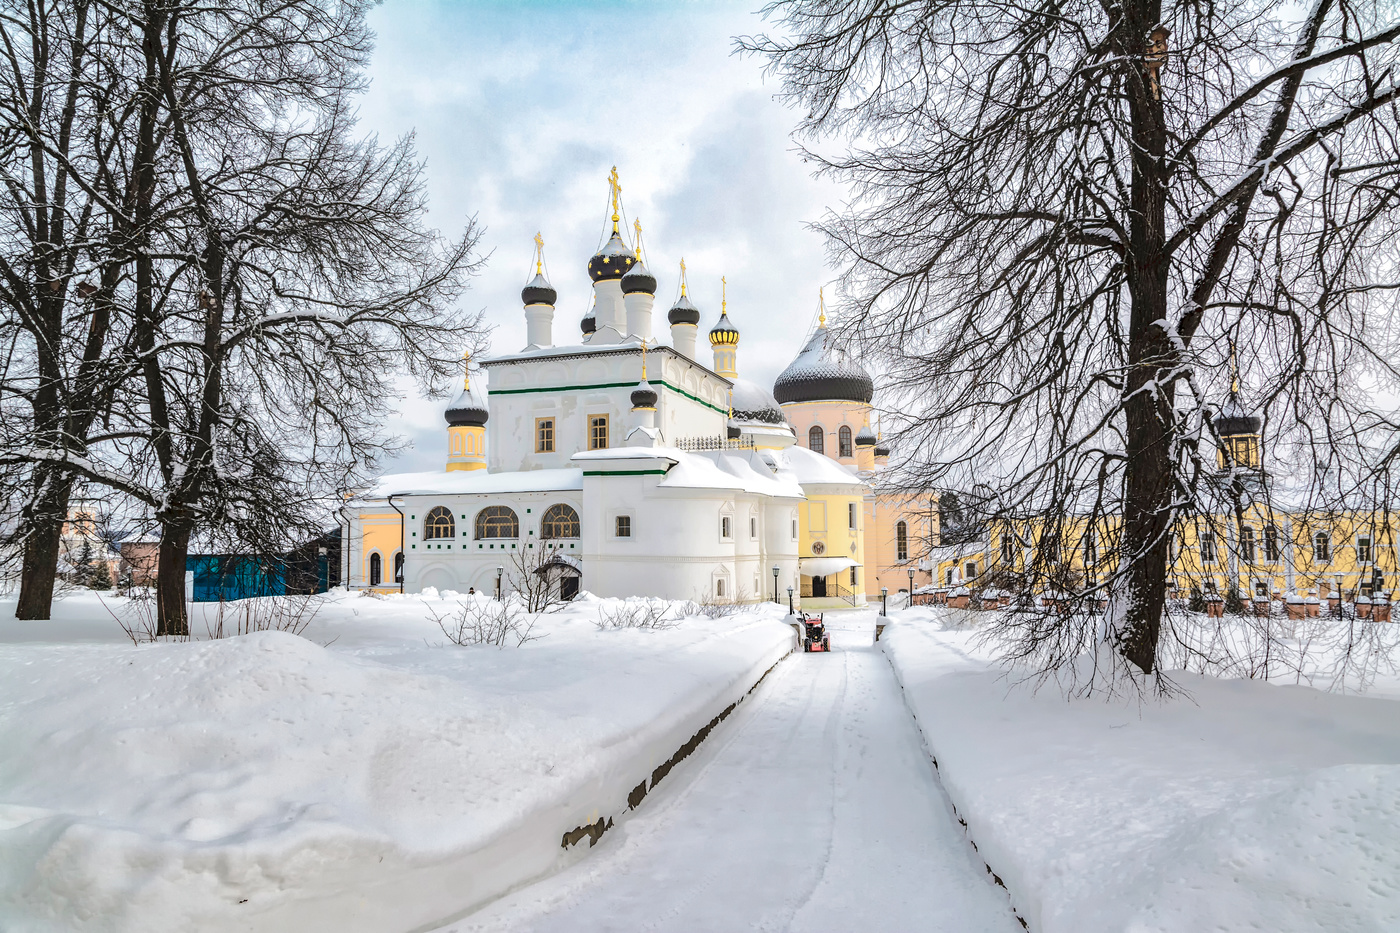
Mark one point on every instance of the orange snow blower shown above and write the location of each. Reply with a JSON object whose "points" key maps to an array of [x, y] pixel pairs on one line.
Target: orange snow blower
{"points": [[815, 637]]}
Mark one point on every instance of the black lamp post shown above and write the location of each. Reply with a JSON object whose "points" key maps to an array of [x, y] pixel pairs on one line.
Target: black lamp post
{"points": [[323, 576], [884, 600], [775, 584], [499, 570], [790, 601], [911, 586]]}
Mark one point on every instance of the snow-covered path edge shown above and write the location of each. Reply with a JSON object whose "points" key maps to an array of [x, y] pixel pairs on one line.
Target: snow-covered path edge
{"points": [[550, 839], [947, 791]]}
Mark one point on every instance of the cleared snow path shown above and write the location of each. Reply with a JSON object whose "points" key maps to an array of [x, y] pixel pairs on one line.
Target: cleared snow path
{"points": [[814, 807]]}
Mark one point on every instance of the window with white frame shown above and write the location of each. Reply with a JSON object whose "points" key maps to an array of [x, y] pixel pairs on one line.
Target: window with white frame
{"points": [[1363, 549], [1322, 547], [623, 526], [726, 527], [753, 527], [851, 515]]}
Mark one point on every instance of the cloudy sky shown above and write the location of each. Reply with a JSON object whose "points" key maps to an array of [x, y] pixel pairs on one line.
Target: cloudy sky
{"points": [[521, 108]]}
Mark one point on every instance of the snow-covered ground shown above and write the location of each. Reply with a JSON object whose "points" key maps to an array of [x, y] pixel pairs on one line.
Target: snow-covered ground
{"points": [[365, 776], [813, 808], [1247, 806]]}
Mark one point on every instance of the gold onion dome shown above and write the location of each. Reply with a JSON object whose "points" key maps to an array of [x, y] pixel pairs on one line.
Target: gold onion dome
{"points": [[638, 279], [539, 292], [724, 333], [612, 261]]}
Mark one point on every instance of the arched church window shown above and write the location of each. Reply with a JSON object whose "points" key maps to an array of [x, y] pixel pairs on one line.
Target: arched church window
{"points": [[398, 567], [497, 521], [438, 523], [843, 441], [376, 570], [560, 521], [816, 440], [901, 541]]}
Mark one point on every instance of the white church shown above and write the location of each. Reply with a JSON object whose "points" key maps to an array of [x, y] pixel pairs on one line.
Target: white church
{"points": [[623, 465]]}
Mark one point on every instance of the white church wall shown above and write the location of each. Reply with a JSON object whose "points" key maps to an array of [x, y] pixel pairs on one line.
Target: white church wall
{"points": [[692, 403], [464, 561]]}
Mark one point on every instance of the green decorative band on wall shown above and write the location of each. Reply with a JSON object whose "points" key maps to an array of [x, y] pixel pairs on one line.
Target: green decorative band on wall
{"points": [[624, 472], [610, 385]]}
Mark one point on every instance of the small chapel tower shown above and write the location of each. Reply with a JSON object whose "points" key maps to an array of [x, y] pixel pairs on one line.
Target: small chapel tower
{"points": [[1237, 428], [724, 338], [466, 427]]}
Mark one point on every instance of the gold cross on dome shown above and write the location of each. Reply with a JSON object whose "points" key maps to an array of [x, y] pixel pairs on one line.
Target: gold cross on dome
{"points": [[616, 187], [682, 276], [637, 225], [539, 253], [723, 294], [466, 369]]}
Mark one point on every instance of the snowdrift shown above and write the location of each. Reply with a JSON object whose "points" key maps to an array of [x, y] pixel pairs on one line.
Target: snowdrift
{"points": [[269, 783], [1249, 806]]}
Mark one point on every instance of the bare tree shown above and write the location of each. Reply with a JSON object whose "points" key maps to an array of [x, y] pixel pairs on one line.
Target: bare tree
{"points": [[69, 104], [1064, 215], [278, 278]]}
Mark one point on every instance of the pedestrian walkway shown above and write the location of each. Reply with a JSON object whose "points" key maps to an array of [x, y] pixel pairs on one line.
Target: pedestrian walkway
{"points": [[813, 808]]}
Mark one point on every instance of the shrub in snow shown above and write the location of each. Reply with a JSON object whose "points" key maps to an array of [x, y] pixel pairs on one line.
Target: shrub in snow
{"points": [[500, 623], [643, 614]]}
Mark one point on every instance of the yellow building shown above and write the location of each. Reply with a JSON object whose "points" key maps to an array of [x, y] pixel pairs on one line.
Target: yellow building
{"points": [[881, 538], [1267, 551]]}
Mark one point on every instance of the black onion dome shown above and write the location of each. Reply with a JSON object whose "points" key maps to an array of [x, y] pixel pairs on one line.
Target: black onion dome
{"points": [[643, 396], [684, 312], [638, 279], [539, 292], [751, 402], [724, 332], [882, 451], [866, 437], [1233, 419], [612, 261], [589, 323], [468, 410], [823, 372]]}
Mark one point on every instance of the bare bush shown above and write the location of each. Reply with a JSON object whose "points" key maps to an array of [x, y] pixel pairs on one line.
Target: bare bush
{"points": [[652, 615], [290, 614], [499, 623], [720, 607]]}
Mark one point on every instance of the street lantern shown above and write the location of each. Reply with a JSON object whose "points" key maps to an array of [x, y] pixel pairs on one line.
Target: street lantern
{"points": [[790, 601], [884, 600], [911, 586], [499, 570], [775, 583]]}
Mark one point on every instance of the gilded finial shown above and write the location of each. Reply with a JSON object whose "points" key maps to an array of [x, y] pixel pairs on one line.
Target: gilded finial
{"points": [[723, 295], [637, 226], [1234, 370], [466, 369], [539, 254], [821, 303], [644, 361], [682, 276], [616, 196]]}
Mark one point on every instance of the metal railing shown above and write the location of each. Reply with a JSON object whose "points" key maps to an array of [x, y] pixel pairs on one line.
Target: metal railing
{"points": [[714, 442]]}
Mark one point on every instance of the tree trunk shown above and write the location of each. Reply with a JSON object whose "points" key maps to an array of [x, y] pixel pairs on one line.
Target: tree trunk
{"points": [[43, 537], [1148, 386], [170, 580]]}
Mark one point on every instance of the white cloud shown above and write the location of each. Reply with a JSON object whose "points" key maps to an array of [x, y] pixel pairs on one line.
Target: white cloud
{"points": [[520, 110]]}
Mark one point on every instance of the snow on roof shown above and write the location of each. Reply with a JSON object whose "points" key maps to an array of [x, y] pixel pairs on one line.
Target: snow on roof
{"points": [[815, 469], [730, 469], [468, 482], [630, 453]]}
